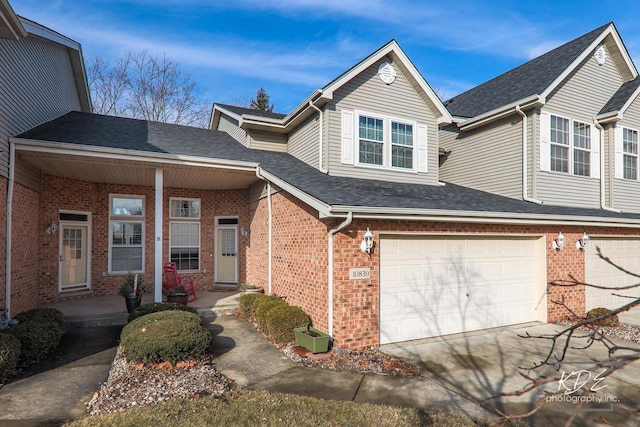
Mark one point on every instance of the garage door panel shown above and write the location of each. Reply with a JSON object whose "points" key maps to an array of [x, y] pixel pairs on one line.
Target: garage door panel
{"points": [[457, 284], [625, 252]]}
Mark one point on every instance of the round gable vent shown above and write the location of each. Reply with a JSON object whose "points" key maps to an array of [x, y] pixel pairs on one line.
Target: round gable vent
{"points": [[387, 73], [601, 54]]}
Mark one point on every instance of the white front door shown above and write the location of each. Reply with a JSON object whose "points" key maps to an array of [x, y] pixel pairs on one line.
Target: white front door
{"points": [[439, 285], [74, 257], [226, 262]]}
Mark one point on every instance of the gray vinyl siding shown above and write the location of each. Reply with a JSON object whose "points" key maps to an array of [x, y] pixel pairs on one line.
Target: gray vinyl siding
{"points": [[303, 142], [261, 140], [488, 159], [36, 85], [580, 97], [625, 191], [367, 93], [230, 126], [258, 191]]}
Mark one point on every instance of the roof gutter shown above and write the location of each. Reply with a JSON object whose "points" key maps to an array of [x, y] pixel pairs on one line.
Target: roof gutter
{"points": [[525, 163], [498, 113], [603, 201], [433, 215], [330, 238]]}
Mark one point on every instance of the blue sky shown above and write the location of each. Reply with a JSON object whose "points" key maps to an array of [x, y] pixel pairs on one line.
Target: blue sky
{"points": [[291, 47]]}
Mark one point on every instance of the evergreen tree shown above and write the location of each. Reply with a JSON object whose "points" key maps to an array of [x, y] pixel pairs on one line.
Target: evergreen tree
{"points": [[261, 101]]}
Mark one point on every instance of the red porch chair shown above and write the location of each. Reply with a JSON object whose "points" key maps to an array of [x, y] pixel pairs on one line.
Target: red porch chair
{"points": [[173, 280]]}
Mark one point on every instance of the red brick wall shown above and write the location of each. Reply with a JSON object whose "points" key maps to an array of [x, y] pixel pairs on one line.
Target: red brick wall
{"points": [[60, 193], [299, 260], [25, 231], [3, 237]]}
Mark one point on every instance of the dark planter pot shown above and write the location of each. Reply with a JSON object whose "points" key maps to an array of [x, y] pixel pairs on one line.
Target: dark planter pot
{"points": [[132, 303], [178, 298]]}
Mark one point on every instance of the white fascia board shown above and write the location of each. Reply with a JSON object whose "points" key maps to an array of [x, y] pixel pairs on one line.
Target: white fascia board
{"points": [[612, 116], [629, 102], [46, 33], [130, 155], [505, 110], [11, 20], [322, 208], [609, 31], [433, 215], [217, 108]]}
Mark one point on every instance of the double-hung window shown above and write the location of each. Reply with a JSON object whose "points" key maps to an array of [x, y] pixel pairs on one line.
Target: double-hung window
{"points": [[126, 233], [184, 215], [386, 142], [570, 146], [630, 153]]}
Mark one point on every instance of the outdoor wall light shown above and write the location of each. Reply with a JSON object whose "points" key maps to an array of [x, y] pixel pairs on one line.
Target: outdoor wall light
{"points": [[51, 229], [367, 242], [583, 242], [244, 232], [559, 241]]}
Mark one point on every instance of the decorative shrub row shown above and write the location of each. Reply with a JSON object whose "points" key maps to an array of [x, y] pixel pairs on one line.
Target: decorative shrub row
{"points": [[169, 335], [274, 316], [155, 307], [38, 333]]}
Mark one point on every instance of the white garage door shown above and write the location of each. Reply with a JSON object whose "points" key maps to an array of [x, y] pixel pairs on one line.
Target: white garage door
{"points": [[625, 253], [432, 286]]}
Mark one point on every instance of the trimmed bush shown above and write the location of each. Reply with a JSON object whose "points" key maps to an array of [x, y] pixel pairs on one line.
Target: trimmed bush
{"points": [[261, 308], [9, 355], [37, 339], [170, 336], [41, 315], [281, 320], [601, 311], [246, 305], [155, 307]]}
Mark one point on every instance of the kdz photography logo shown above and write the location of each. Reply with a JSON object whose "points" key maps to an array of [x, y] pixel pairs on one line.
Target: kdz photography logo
{"points": [[582, 390]]}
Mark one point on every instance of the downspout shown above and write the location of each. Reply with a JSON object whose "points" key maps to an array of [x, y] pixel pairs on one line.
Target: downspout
{"points": [[525, 163], [332, 233], [603, 202], [7, 269], [320, 140], [270, 232]]}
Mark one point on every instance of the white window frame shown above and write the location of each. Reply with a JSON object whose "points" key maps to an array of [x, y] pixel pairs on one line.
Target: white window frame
{"points": [[133, 219], [572, 147], [387, 145], [174, 220], [633, 155]]}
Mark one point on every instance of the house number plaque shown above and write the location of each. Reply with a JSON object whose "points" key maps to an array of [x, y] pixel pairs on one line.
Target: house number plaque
{"points": [[360, 273]]}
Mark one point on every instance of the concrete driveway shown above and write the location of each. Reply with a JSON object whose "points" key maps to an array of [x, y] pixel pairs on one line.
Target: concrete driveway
{"points": [[483, 366]]}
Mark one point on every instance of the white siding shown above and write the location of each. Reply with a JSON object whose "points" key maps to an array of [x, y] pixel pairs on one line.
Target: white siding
{"points": [[488, 159], [303, 141], [260, 140], [625, 192], [580, 97], [36, 85], [366, 92], [230, 126]]}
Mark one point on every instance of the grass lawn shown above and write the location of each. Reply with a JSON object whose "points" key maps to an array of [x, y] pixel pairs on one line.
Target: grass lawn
{"points": [[260, 408]]}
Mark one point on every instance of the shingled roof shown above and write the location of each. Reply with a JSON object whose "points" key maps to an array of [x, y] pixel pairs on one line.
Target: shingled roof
{"points": [[153, 137], [531, 78], [622, 95], [251, 112]]}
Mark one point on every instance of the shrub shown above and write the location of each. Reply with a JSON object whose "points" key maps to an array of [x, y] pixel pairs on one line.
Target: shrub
{"points": [[247, 304], [155, 307], [170, 336], [261, 308], [41, 315], [282, 319], [9, 355], [601, 311], [37, 339]]}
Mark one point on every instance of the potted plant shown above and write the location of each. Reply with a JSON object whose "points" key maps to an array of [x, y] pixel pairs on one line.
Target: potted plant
{"points": [[248, 288], [178, 295], [132, 290], [312, 339]]}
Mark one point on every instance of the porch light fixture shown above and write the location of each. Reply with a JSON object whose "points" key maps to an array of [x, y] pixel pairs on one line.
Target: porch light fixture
{"points": [[583, 242], [244, 232], [559, 241], [367, 242], [51, 229]]}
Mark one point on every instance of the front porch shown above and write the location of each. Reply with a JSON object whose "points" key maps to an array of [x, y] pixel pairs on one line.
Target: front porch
{"points": [[111, 309]]}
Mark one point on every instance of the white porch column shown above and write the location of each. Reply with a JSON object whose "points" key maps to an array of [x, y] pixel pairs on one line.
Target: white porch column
{"points": [[158, 237]]}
